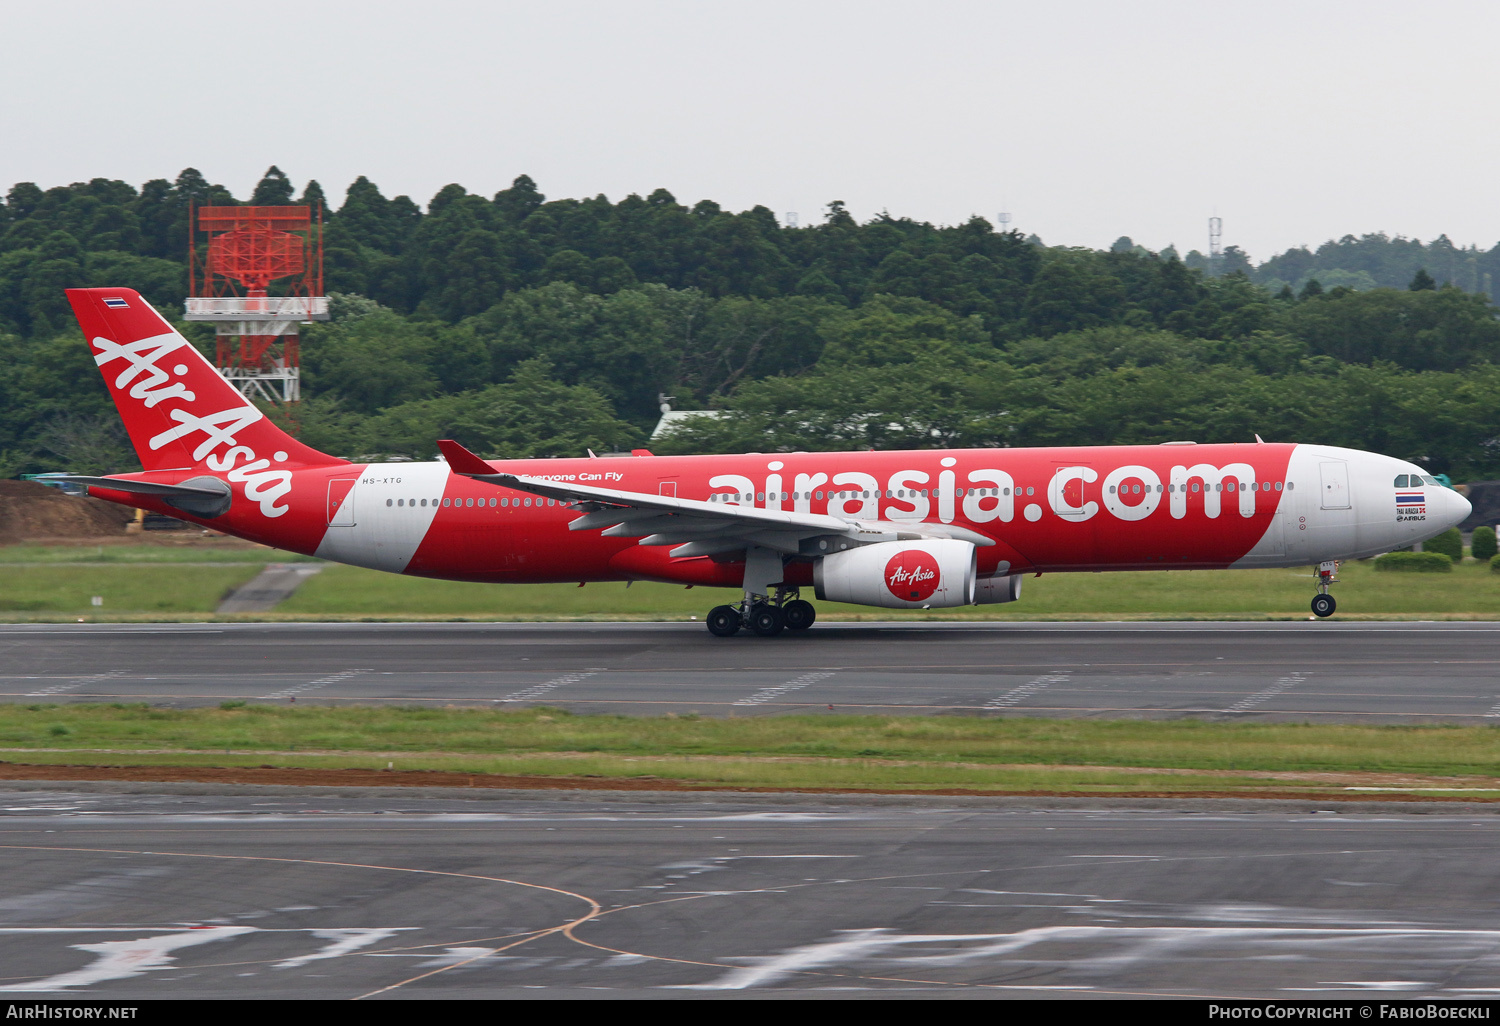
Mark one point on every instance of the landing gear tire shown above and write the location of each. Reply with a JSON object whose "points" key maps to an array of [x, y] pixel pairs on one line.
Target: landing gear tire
{"points": [[798, 615], [723, 621], [1324, 605], [766, 621]]}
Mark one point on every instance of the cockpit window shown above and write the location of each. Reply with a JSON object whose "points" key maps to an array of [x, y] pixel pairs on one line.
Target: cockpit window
{"points": [[1401, 481], [1429, 479]]}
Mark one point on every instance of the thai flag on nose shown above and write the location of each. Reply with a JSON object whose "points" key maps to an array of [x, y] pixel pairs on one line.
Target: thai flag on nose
{"points": [[1409, 499], [116, 303]]}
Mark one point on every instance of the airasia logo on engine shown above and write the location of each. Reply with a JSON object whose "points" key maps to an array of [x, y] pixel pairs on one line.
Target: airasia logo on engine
{"points": [[912, 575]]}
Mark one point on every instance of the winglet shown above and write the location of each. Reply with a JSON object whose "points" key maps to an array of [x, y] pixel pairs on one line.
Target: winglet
{"points": [[462, 461]]}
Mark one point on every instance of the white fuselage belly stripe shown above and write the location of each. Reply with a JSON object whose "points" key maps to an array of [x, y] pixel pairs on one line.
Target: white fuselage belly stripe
{"points": [[393, 507]]}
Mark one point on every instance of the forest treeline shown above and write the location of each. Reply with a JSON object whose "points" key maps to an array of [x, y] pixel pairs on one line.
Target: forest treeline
{"points": [[526, 326]]}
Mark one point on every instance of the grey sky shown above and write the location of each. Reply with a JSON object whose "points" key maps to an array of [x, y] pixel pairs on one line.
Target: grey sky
{"points": [[1294, 121]]}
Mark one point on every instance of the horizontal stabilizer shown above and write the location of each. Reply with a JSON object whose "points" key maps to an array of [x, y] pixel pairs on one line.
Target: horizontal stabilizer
{"points": [[205, 496], [119, 484]]}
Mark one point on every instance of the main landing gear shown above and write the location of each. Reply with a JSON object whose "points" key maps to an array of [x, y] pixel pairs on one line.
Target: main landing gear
{"points": [[1323, 603], [766, 616], [769, 606]]}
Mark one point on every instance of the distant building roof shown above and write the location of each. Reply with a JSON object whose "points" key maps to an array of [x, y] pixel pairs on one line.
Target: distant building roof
{"points": [[671, 420]]}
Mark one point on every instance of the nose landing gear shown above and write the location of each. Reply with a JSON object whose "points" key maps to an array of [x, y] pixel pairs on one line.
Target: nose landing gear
{"points": [[1323, 603], [766, 616]]}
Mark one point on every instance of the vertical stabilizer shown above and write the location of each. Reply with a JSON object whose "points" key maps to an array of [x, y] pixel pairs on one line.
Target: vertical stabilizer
{"points": [[179, 412]]}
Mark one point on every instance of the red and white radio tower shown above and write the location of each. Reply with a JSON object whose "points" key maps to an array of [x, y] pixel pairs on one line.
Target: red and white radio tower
{"points": [[248, 248]]}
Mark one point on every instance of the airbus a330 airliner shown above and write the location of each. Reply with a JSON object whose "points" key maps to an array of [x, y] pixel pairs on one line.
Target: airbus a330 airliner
{"points": [[919, 529]]}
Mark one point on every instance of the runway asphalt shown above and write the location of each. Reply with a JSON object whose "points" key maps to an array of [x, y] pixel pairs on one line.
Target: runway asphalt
{"points": [[286, 894], [1361, 672]]}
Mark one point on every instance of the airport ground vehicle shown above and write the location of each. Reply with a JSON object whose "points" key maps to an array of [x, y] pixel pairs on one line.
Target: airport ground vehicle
{"points": [[911, 529]]}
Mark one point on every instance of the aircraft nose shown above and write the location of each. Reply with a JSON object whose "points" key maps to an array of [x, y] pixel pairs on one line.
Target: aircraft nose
{"points": [[1456, 508]]}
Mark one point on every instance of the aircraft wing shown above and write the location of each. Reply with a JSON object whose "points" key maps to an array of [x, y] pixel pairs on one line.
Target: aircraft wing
{"points": [[694, 527]]}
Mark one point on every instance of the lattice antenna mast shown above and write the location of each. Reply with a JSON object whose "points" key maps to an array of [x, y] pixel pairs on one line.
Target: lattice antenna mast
{"points": [[1215, 246], [229, 285]]}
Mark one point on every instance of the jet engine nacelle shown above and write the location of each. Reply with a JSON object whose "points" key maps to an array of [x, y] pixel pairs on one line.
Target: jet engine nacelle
{"points": [[998, 589], [900, 575]]}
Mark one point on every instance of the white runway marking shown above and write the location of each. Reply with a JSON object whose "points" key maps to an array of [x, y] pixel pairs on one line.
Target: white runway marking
{"points": [[1110, 948], [536, 691], [771, 693], [77, 682], [312, 685], [121, 960], [473, 957], [340, 943], [1025, 691], [1281, 685]]}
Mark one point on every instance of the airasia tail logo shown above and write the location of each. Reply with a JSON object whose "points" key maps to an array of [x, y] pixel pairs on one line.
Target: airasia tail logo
{"points": [[218, 445], [912, 576]]}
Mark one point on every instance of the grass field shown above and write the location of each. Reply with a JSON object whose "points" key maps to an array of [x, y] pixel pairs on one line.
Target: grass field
{"points": [[784, 751], [125, 588], [94, 555], [157, 582]]}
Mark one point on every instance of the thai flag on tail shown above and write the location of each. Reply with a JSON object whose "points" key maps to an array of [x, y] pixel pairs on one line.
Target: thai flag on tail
{"points": [[116, 303]]}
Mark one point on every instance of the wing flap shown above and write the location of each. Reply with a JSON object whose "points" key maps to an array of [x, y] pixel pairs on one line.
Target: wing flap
{"points": [[667, 519]]}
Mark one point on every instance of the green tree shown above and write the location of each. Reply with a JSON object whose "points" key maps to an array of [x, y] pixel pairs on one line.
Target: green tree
{"points": [[371, 362], [1450, 543], [1069, 294], [273, 190], [1440, 330], [1482, 543], [530, 415], [312, 196]]}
